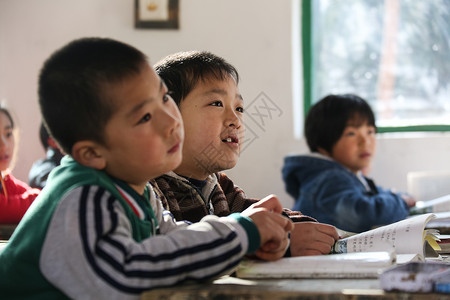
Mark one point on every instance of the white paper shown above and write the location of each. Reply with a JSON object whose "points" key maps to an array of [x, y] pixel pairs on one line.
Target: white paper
{"points": [[403, 237]]}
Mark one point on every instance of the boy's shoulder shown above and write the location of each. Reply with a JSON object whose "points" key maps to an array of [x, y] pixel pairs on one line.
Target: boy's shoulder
{"points": [[224, 181], [315, 161], [70, 172], [315, 168], [311, 156], [70, 175]]}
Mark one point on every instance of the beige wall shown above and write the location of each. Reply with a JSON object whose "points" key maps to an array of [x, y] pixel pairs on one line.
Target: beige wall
{"points": [[254, 35]]}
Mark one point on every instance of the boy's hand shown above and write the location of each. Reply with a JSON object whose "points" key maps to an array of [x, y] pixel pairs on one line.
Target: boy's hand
{"points": [[410, 201], [272, 226], [311, 238]]}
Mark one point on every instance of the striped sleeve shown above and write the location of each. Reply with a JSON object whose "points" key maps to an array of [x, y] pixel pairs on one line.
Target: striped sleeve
{"points": [[89, 249]]}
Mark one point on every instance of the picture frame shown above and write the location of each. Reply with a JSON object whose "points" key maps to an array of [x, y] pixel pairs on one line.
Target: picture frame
{"points": [[156, 14]]}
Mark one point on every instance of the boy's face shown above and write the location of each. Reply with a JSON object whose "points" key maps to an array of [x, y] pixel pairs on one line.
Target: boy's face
{"points": [[212, 114], [356, 146], [144, 137], [6, 142]]}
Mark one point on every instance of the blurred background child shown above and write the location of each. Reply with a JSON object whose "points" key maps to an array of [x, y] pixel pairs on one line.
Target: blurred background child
{"points": [[39, 171], [329, 184], [15, 196]]}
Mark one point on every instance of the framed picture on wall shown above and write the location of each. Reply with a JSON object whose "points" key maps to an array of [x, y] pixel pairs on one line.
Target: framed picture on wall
{"points": [[156, 14]]}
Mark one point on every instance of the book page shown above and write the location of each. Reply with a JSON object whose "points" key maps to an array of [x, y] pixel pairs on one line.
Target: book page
{"points": [[403, 237]]}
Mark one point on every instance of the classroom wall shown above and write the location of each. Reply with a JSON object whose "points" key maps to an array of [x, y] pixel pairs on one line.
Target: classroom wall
{"points": [[254, 35]]}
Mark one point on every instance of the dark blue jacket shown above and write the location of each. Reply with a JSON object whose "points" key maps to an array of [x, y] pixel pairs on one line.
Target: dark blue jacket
{"points": [[325, 190]]}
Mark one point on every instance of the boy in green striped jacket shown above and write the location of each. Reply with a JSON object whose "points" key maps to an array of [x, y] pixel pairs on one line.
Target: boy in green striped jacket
{"points": [[98, 229]]}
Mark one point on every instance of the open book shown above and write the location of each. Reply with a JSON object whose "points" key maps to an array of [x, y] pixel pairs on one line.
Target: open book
{"points": [[444, 244], [441, 222], [363, 255], [408, 236]]}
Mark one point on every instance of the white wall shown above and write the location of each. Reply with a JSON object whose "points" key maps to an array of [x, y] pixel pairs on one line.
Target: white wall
{"points": [[254, 35]]}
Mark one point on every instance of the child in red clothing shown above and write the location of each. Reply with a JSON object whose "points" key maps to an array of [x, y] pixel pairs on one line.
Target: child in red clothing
{"points": [[15, 195]]}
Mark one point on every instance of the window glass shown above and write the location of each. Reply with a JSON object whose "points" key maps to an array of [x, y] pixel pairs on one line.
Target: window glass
{"points": [[393, 53]]}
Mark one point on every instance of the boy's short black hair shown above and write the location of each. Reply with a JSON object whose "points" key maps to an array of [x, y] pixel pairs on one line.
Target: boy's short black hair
{"points": [[74, 87], [183, 70], [328, 118]]}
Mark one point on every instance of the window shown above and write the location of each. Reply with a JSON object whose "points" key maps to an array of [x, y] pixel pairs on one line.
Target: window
{"points": [[393, 53]]}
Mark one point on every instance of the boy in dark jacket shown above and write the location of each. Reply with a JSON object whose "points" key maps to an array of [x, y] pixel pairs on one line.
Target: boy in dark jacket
{"points": [[329, 183]]}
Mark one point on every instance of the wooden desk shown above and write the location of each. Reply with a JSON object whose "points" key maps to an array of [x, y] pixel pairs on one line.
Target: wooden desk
{"points": [[270, 289]]}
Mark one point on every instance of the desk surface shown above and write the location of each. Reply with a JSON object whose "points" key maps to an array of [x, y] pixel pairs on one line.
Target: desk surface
{"points": [[235, 288]]}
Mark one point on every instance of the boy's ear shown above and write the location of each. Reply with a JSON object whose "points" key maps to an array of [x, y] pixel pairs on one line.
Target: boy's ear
{"points": [[88, 154], [323, 151]]}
